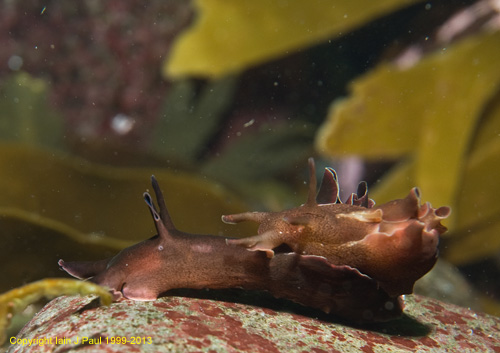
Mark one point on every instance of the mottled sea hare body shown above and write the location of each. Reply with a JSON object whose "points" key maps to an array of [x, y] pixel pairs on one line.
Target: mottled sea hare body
{"points": [[351, 259]]}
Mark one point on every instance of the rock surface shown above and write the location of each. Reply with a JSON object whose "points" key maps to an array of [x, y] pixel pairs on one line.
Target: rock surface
{"points": [[183, 324]]}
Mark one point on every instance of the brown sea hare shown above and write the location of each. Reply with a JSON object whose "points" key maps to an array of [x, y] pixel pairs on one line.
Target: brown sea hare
{"points": [[352, 259]]}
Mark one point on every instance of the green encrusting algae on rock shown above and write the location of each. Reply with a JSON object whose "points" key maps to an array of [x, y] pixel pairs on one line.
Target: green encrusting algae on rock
{"points": [[179, 324]]}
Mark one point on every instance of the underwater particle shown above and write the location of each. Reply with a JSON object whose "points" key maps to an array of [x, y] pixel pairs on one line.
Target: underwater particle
{"points": [[389, 305], [15, 62], [122, 124], [249, 123]]}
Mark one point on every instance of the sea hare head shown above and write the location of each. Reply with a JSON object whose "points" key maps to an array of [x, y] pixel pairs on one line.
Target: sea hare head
{"points": [[404, 247], [394, 243]]}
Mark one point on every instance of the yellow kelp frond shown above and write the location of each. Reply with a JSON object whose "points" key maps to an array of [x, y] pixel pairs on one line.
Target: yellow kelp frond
{"points": [[89, 210], [440, 119], [230, 36], [427, 112]]}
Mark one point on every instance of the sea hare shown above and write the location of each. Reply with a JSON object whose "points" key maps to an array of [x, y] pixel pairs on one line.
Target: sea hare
{"points": [[351, 259]]}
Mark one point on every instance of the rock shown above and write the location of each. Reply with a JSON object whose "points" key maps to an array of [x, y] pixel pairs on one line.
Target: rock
{"points": [[183, 324]]}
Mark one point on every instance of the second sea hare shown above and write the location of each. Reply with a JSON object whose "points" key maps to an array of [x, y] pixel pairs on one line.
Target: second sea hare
{"points": [[351, 259]]}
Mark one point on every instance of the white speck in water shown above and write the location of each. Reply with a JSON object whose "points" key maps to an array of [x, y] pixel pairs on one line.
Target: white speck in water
{"points": [[78, 218], [160, 247], [15, 62], [122, 124], [249, 123]]}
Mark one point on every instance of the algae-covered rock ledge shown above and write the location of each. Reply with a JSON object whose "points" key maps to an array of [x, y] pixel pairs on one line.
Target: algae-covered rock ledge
{"points": [[181, 324]]}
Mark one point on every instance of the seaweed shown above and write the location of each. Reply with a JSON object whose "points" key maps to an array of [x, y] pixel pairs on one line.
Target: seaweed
{"points": [[25, 115], [16, 300], [189, 119], [229, 37], [52, 202], [432, 118]]}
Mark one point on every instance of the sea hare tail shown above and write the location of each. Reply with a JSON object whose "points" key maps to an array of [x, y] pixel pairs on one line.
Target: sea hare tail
{"points": [[83, 269]]}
